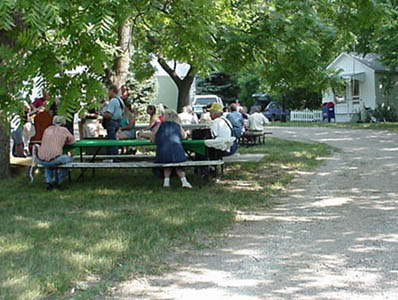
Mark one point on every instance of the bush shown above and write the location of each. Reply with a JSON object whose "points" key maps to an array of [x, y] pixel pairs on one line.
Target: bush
{"points": [[385, 113]]}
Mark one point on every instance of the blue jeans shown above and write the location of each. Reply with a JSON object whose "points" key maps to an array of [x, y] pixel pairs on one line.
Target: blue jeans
{"points": [[49, 174], [111, 129]]}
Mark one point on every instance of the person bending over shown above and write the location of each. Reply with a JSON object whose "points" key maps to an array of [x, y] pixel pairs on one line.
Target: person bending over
{"points": [[168, 136], [51, 149]]}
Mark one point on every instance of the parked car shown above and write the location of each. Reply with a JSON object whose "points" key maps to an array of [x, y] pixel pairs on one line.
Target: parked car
{"points": [[260, 101], [274, 111], [199, 101]]}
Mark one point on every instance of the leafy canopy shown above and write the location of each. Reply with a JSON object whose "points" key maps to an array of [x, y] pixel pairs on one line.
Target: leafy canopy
{"points": [[65, 45]]}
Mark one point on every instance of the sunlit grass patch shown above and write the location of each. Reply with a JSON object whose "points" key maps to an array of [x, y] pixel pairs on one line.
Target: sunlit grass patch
{"points": [[123, 222]]}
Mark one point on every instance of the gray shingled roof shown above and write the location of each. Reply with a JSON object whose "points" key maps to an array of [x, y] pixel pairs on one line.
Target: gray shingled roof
{"points": [[371, 60]]}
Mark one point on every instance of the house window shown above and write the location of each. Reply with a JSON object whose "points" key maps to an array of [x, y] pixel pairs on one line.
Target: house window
{"points": [[355, 91]]}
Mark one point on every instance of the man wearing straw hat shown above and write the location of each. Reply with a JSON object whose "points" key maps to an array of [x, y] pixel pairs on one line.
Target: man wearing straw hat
{"points": [[224, 142]]}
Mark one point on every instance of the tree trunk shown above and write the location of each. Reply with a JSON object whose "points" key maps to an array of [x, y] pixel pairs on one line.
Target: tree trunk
{"points": [[8, 41], [4, 152], [183, 92], [119, 74], [183, 85]]}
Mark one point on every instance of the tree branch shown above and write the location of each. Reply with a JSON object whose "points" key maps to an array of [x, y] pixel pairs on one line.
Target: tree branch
{"points": [[172, 73]]}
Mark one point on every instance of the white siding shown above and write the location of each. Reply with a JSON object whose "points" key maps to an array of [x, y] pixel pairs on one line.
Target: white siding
{"points": [[349, 65], [167, 92], [367, 92]]}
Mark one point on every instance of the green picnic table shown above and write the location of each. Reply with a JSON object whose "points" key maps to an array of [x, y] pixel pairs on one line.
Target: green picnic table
{"points": [[196, 146]]}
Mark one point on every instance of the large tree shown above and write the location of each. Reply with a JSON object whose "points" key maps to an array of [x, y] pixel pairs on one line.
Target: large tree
{"points": [[48, 40], [179, 31], [289, 43]]}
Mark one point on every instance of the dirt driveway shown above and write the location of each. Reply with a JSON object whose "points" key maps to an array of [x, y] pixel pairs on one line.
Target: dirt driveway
{"points": [[334, 236]]}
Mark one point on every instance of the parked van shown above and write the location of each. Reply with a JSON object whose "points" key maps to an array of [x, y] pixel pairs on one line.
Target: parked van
{"points": [[199, 101]]}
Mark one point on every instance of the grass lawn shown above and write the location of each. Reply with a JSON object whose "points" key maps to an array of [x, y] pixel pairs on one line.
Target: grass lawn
{"points": [[122, 222], [378, 126]]}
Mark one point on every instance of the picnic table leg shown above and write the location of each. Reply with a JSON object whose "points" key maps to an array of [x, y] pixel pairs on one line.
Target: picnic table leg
{"points": [[91, 160]]}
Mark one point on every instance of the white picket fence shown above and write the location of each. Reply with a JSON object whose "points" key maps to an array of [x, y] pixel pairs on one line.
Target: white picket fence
{"points": [[306, 116]]}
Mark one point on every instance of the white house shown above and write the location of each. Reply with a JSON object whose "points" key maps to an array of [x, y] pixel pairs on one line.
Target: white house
{"points": [[167, 89], [363, 86]]}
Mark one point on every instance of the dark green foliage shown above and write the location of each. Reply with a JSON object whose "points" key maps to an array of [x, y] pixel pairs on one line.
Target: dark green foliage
{"points": [[142, 93], [385, 113], [220, 84], [300, 98], [249, 84]]}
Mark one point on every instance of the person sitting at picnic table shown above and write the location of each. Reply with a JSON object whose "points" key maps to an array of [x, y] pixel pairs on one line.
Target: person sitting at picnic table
{"points": [[205, 116], [125, 95], [90, 124], [42, 120], [50, 152], [161, 109], [16, 126], [236, 119], [39, 102], [257, 121], [113, 115], [153, 122], [168, 136], [127, 130], [223, 142], [187, 116]]}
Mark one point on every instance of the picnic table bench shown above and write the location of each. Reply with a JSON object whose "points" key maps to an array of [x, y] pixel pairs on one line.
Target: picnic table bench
{"points": [[251, 138], [190, 146], [140, 164]]}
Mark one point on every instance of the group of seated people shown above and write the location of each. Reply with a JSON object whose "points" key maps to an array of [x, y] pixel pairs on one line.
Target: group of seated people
{"points": [[254, 122], [31, 126], [164, 129]]}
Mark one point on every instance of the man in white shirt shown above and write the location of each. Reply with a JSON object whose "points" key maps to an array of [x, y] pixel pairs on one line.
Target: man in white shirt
{"points": [[257, 121], [188, 116], [223, 143], [220, 127]]}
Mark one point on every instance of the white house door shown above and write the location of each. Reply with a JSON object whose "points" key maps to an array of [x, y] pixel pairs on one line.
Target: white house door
{"points": [[353, 96]]}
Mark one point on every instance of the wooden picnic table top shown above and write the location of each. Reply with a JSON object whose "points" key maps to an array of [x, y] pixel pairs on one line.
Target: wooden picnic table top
{"points": [[197, 146]]}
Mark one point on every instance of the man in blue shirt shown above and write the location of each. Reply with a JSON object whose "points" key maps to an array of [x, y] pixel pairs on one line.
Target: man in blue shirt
{"points": [[236, 120], [113, 114]]}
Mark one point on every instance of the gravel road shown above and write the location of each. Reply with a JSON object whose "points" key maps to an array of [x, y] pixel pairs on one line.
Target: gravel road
{"points": [[334, 235]]}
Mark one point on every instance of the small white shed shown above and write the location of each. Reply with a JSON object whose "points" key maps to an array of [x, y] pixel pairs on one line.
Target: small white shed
{"points": [[363, 86]]}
